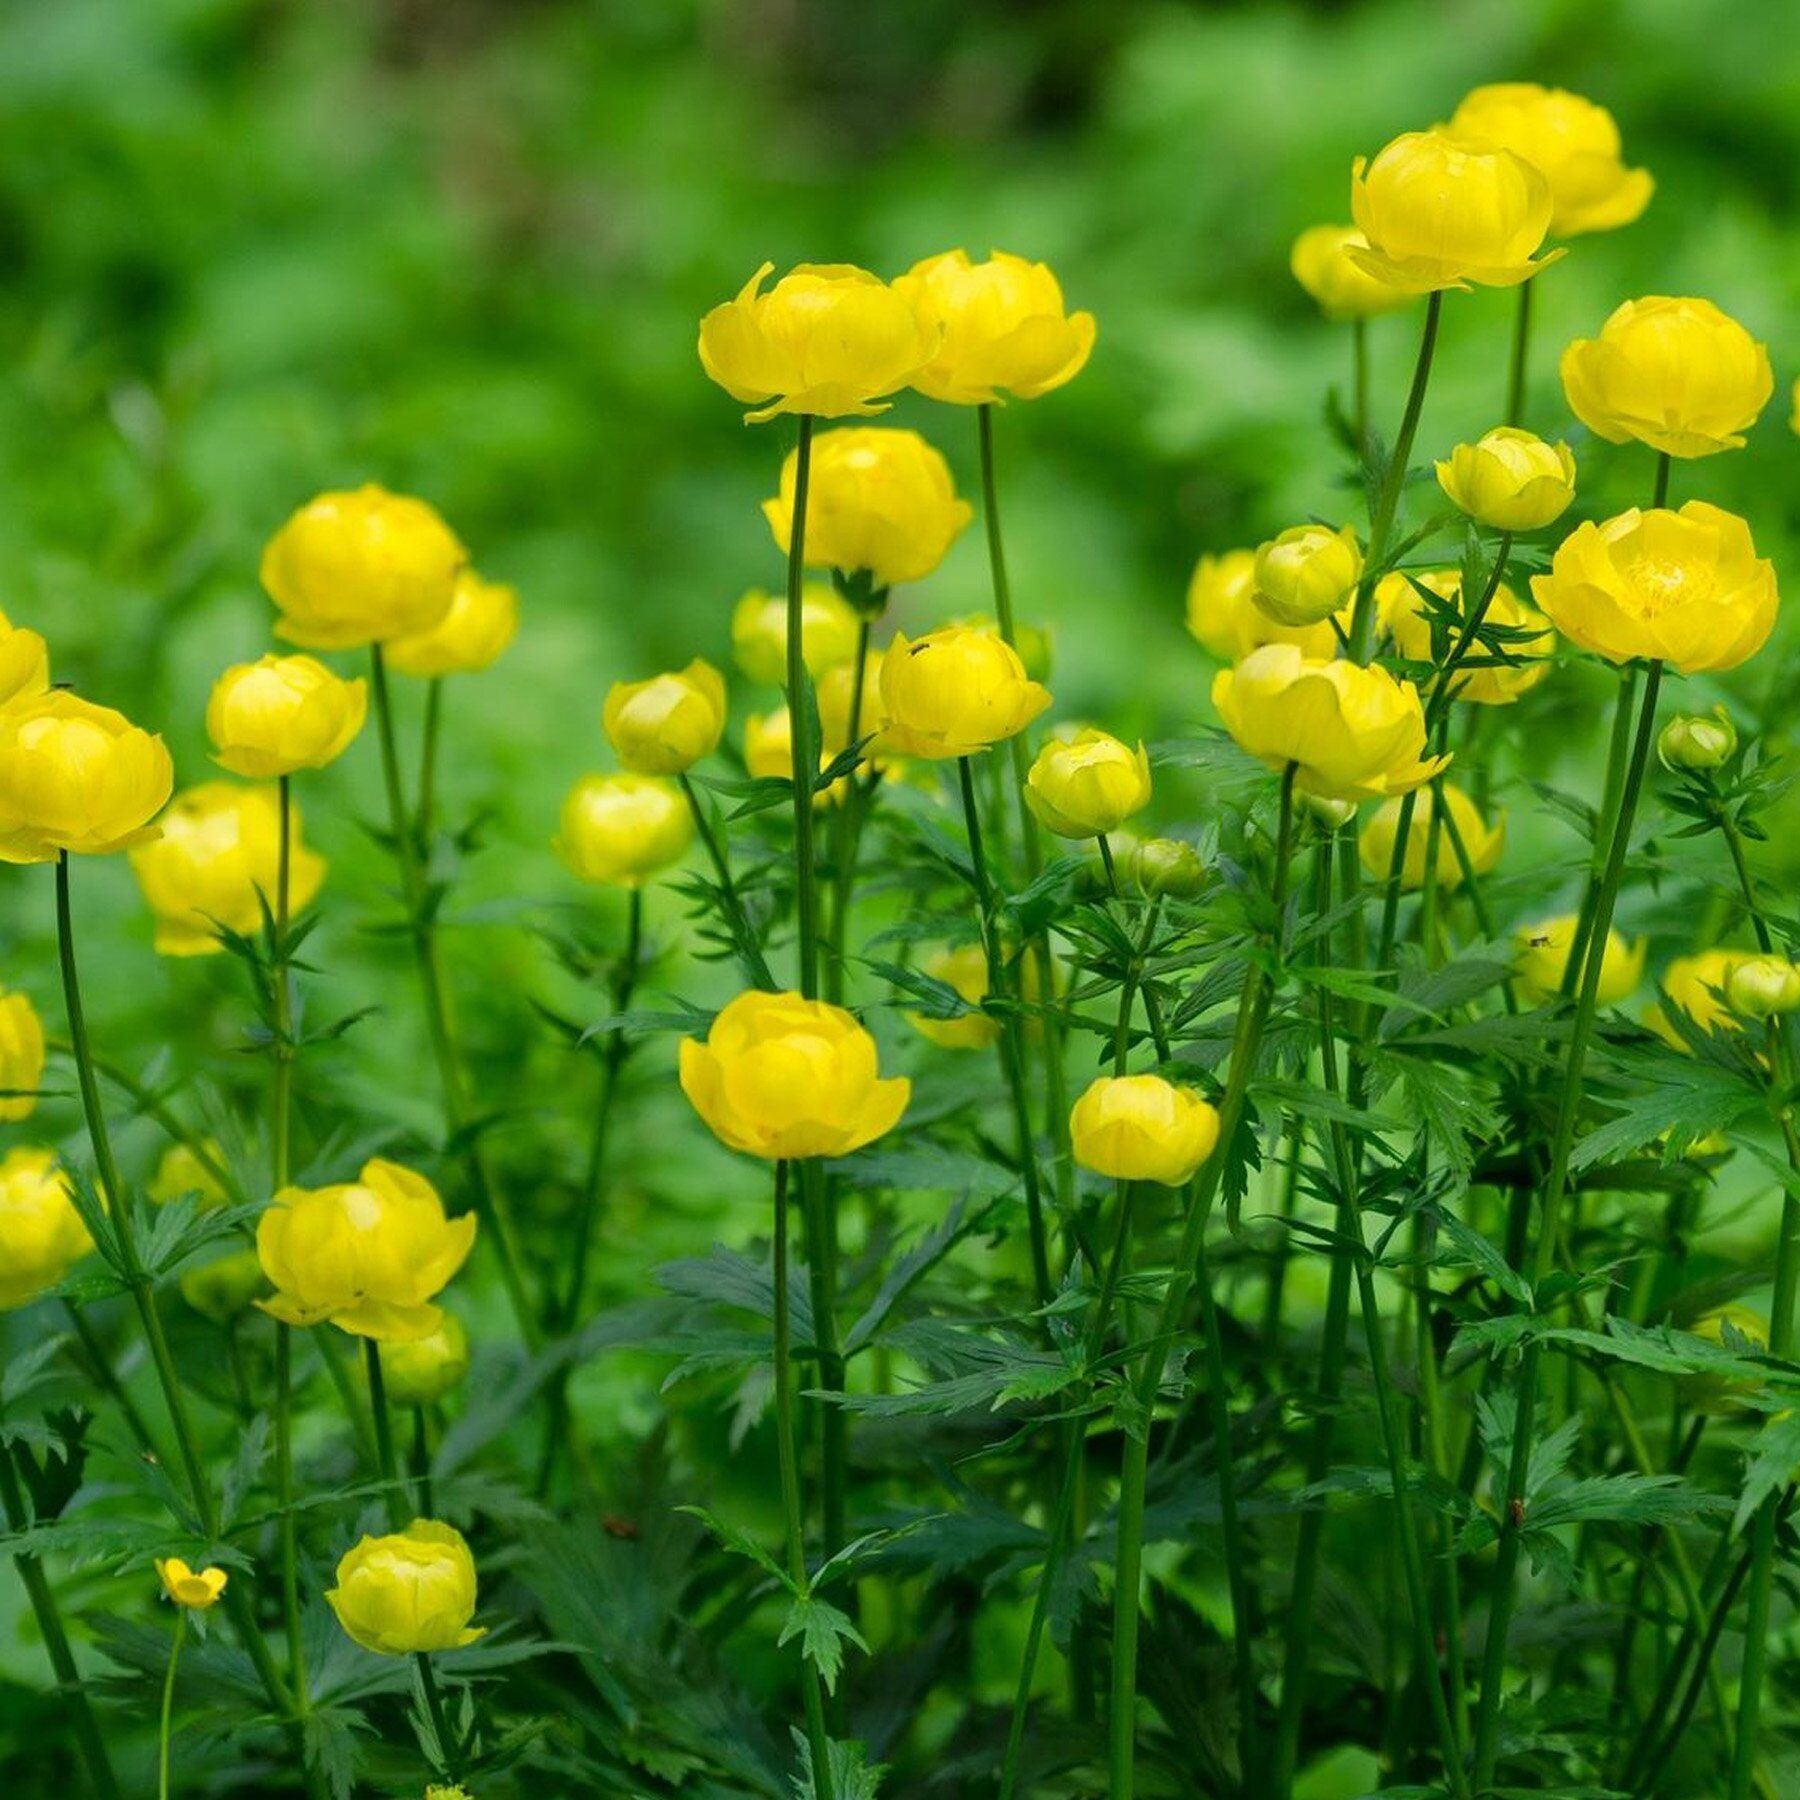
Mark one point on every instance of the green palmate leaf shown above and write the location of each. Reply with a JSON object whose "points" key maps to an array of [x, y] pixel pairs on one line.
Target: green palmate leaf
{"points": [[1694, 1102], [926, 1168], [732, 1279], [1460, 1245], [1672, 1352], [853, 1776], [332, 1749], [824, 1631], [1774, 1465], [740, 1543], [963, 1220]]}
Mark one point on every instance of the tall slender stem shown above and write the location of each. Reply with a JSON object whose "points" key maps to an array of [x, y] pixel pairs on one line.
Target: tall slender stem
{"points": [[440, 1719], [802, 717], [425, 818], [1359, 376], [1521, 349], [168, 1705], [394, 1495]]}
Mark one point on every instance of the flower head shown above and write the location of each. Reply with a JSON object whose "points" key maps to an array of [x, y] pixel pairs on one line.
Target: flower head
{"points": [[1142, 1128], [283, 713], [1543, 955], [1696, 742], [76, 777], [1087, 784], [1762, 986], [196, 1589], [483, 619], [41, 1234], [665, 725], [1224, 618], [1484, 677], [837, 695], [1322, 264], [1307, 574], [21, 1056], [1509, 480], [1162, 866], [24, 663], [408, 1593], [421, 1371], [828, 632], [956, 691], [622, 829], [1382, 832]]}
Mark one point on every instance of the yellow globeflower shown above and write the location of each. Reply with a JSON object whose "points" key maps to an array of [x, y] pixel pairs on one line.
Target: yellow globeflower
{"points": [[664, 726], [965, 969], [1088, 784], [1483, 842], [1165, 866], [21, 1056], [1438, 213], [1306, 574], [196, 1589], [216, 863], [1762, 986], [826, 339], [1570, 141], [283, 713], [180, 1172], [1142, 1128], [955, 691], [483, 619], [1481, 679], [76, 777], [622, 829], [1696, 742], [1321, 263], [1509, 480], [1676, 374], [1223, 616], [41, 1234], [878, 500], [781, 1077], [829, 630], [1352, 733], [1683, 587], [999, 327], [836, 696], [1543, 954], [408, 1593], [361, 567], [24, 663], [421, 1371], [368, 1255], [1700, 987]]}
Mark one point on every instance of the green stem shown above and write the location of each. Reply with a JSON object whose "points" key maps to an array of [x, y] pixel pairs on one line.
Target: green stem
{"points": [[846, 832], [1618, 749], [1359, 375], [168, 1705], [1442, 692], [440, 1719], [421, 1461], [425, 818], [802, 717], [289, 1533], [749, 951], [394, 1495], [1516, 363]]}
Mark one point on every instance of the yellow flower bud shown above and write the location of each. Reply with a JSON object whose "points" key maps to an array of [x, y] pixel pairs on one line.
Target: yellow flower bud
{"points": [[219, 1290], [483, 619], [1378, 837], [196, 1589], [180, 1173], [1570, 141], [410, 1592], [24, 663], [1697, 741], [1762, 986], [1676, 374], [783, 1077], [77, 777], [829, 630], [216, 864], [826, 339], [1509, 480], [664, 726], [21, 1056], [1306, 574], [1000, 327], [1344, 290], [1438, 213], [1224, 618], [1481, 678], [1353, 733], [1165, 866], [439, 1792], [955, 691], [965, 969], [361, 567], [878, 500], [1087, 785], [367, 1255], [1683, 587], [41, 1234], [1699, 986], [837, 694], [421, 1371], [622, 829], [282, 713], [1543, 954], [1142, 1128]]}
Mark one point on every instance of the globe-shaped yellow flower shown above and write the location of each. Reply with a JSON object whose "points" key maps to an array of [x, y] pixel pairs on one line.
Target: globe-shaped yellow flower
{"points": [[1161, 866], [195, 1589], [1509, 480], [1087, 784], [1142, 1128], [1225, 620], [1321, 263], [367, 1255], [962, 967], [408, 1593], [1695, 742], [781, 1077], [41, 1234], [955, 692], [1684, 587], [1482, 678], [483, 619], [1441, 213], [836, 696], [1351, 733], [216, 863], [280, 714], [21, 1056], [1570, 141], [421, 1371], [828, 633], [665, 725], [1484, 843], [879, 501], [24, 663], [1676, 374], [1761, 987], [827, 339], [1699, 987], [622, 829], [1000, 327], [1543, 955], [76, 777], [361, 567], [1306, 574]]}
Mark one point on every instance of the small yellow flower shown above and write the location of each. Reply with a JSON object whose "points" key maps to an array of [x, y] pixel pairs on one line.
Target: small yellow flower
{"points": [[24, 663], [1439, 213], [1483, 842], [1543, 954], [779, 1076], [221, 1289], [1762, 986], [622, 829], [664, 726], [1306, 574], [1000, 328], [1481, 679], [1142, 1128], [1699, 986], [1676, 374], [180, 1172], [483, 619], [1697, 741], [965, 969], [21, 1056], [1352, 733], [216, 864], [410, 1592], [1088, 784], [421, 1371], [41, 1234], [1321, 263], [956, 691], [367, 1255], [1685, 587], [1164, 866], [878, 500], [828, 633], [1509, 480], [196, 1589], [361, 567], [826, 339], [77, 777], [283, 713], [1224, 618]]}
